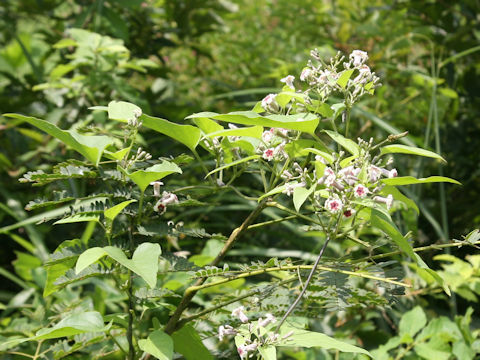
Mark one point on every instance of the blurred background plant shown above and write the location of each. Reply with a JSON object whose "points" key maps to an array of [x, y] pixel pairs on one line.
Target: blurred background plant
{"points": [[177, 57]]}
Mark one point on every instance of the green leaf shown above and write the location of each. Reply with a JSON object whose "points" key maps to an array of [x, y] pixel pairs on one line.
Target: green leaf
{"points": [[248, 158], [112, 213], [254, 131], [328, 158], [337, 109], [188, 343], [268, 352], [79, 323], [397, 195], [404, 149], [347, 144], [274, 191], [78, 218], [158, 344], [301, 122], [300, 195], [186, 134], [304, 338], [384, 223], [91, 147], [156, 172], [207, 126], [412, 322], [143, 263], [409, 180], [343, 79]]}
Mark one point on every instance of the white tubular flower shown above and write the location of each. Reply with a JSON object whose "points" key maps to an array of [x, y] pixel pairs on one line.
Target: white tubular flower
{"points": [[269, 154], [286, 175], [385, 200], [374, 172], [269, 103], [305, 74], [243, 350], [323, 78], [281, 132], [365, 73], [290, 187], [329, 176], [390, 173], [267, 135], [268, 320], [225, 330], [288, 80], [333, 205], [360, 191], [156, 188], [359, 57], [166, 199], [239, 312]]}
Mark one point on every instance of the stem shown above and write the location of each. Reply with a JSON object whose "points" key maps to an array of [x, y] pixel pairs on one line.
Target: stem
{"points": [[347, 121], [231, 301], [305, 286], [172, 324], [140, 207], [131, 349]]}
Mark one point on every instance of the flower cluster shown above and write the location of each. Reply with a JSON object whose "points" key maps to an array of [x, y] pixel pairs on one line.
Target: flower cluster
{"points": [[273, 144], [256, 328], [324, 78]]}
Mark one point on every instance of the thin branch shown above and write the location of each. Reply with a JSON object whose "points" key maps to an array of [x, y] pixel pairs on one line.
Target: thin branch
{"points": [[197, 288], [172, 324], [418, 249]]}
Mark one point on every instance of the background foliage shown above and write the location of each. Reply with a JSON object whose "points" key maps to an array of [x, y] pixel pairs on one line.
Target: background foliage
{"points": [[177, 57]]}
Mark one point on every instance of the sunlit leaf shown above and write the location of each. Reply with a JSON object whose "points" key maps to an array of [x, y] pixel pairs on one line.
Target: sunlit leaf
{"points": [[91, 147], [404, 149], [156, 172], [409, 180]]}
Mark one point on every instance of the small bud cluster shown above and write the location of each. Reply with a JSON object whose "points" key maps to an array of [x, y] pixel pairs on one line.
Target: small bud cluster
{"points": [[140, 155], [247, 330]]}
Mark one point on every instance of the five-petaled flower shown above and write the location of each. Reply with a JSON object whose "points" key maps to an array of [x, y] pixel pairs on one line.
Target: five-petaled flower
{"points": [[360, 191], [333, 205]]}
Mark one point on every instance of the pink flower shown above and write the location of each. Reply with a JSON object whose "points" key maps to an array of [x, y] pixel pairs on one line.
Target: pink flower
{"points": [[333, 205], [288, 80], [268, 154], [239, 312], [360, 191]]}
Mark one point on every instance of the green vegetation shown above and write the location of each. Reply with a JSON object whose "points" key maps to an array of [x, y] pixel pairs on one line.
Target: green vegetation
{"points": [[188, 179]]}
